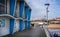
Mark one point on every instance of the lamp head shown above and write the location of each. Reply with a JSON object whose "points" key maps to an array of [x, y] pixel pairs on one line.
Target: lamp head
{"points": [[47, 4]]}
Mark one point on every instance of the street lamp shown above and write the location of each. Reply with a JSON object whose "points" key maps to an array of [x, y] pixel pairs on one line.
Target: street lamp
{"points": [[47, 4]]}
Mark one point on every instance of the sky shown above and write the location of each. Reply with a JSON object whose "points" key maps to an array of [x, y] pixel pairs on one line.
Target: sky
{"points": [[39, 9]]}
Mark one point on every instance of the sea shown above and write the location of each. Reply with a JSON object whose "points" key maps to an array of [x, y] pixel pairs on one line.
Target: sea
{"points": [[54, 32]]}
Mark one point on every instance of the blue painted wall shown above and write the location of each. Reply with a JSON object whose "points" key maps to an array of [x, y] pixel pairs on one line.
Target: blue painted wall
{"points": [[21, 25], [28, 24], [29, 14], [26, 15], [21, 7], [25, 24], [12, 4], [26, 12], [11, 26]]}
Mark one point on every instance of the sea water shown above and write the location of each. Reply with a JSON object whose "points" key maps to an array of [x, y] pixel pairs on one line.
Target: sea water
{"points": [[54, 31]]}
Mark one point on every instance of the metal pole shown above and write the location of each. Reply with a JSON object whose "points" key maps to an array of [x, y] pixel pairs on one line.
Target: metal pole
{"points": [[47, 14], [47, 4]]}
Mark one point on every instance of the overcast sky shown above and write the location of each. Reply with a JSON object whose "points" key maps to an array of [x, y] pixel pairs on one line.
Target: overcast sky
{"points": [[39, 9]]}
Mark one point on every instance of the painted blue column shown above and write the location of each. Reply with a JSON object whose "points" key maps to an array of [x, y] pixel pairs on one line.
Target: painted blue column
{"points": [[21, 13], [21, 8], [26, 14], [28, 24], [12, 5], [25, 24], [29, 14], [11, 26], [21, 25]]}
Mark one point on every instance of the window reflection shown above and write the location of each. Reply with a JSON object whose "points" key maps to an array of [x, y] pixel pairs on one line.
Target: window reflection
{"points": [[2, 1], [2, 6]]}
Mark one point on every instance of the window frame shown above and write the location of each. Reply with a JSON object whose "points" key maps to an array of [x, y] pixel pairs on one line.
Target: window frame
{"points": [[4, 6]]}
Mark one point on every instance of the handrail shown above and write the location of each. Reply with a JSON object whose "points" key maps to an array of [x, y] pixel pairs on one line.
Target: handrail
{"points": [[46, 31]]}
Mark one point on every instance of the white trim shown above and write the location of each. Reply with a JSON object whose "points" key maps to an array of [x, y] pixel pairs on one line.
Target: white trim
{"points": [[6, 15], [19, 18], [46, 31]]}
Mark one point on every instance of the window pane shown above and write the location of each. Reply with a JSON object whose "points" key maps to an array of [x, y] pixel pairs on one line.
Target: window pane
{"points": [[2, 1], [2, 6], [2, 9]]}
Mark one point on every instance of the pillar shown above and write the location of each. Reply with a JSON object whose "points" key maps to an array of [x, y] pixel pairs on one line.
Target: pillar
{"points": [[11, 26], [29, 15], [12, 7], [21, 25], [26, 11], [21, 7]]}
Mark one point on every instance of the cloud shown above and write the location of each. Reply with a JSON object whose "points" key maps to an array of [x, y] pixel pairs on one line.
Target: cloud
{"points": [[39, 9]]}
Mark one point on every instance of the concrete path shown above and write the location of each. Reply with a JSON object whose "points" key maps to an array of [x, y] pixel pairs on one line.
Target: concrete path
{"points": [[32, 32]]}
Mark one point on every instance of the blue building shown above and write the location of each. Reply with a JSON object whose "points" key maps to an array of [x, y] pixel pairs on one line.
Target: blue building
{"points": [[14, 16]]}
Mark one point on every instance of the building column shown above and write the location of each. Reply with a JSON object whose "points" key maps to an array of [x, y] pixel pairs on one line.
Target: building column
{"points": [[29, 15], [25, 24], [21, 7], [26, 14], [28, 24], [20, 26], [12, 7], [11, 26]]}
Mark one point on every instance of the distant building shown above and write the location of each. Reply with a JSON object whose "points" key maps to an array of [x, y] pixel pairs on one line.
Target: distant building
{"points": [[38, 22], [54, 23]]}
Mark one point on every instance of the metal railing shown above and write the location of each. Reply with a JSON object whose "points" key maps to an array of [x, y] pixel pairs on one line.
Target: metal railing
{"points": [[46, 31]]}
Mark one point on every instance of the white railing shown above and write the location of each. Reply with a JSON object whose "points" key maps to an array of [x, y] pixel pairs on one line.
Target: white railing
{"points": [[46, 31]]}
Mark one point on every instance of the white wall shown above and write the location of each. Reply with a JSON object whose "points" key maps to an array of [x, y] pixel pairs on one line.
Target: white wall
{"points": [[17, 11], [4, 30], [16, 25], [8, 6]]}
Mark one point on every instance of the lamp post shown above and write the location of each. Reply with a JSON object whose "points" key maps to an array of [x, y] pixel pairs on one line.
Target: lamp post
{"points": [[47, 4]]}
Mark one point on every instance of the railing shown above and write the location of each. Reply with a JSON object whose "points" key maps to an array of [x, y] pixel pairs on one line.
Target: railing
{"points": [[46, 31]]}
